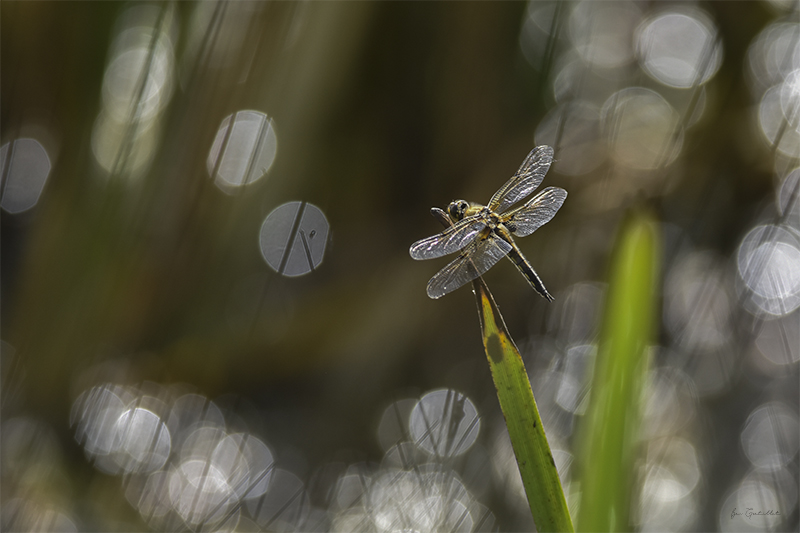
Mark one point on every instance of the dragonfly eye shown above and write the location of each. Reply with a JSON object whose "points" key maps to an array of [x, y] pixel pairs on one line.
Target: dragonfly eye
{"points": [[452, 210], [456, 209]]}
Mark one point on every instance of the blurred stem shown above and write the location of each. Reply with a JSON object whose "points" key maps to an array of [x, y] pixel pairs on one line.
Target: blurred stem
{"points": [[609, 434]]}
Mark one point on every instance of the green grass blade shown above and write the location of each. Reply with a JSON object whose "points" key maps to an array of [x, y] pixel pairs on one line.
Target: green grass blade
{"points": [[609, 433], [535, 461]]}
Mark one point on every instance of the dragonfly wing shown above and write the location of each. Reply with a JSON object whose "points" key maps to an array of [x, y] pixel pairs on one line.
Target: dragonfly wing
{"points": [[473, 261], [450, 240], [525, 181], [533, 215]]}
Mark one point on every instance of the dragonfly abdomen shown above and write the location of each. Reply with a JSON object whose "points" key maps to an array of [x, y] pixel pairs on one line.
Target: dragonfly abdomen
{"points": [[519, 260]]}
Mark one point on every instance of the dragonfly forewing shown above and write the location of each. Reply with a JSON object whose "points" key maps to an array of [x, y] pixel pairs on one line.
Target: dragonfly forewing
{"points": [[536, 213], [474, 260], [451, 240], [525, 181]]}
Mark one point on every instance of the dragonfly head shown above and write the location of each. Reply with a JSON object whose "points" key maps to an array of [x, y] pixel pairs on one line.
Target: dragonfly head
{"points": [[457, 208]]}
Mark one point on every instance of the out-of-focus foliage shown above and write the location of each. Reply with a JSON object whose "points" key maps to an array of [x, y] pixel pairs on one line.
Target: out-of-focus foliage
{"points": [[210, 320], [609, 434]]}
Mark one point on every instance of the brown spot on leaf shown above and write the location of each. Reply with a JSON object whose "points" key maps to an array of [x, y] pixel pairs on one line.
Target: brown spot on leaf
{"points": [[494, 349]]}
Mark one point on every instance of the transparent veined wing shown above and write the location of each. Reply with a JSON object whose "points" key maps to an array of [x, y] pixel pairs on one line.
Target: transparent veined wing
{"points": [[450, 240], [474, 260], [525, 181], [527, 218]]}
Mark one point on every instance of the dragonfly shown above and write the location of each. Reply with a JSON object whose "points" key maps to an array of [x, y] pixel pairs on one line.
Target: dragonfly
{"points": [[485, 234]]}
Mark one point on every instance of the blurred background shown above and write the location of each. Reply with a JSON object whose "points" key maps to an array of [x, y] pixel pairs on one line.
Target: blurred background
{"points": [[210, 320]]}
